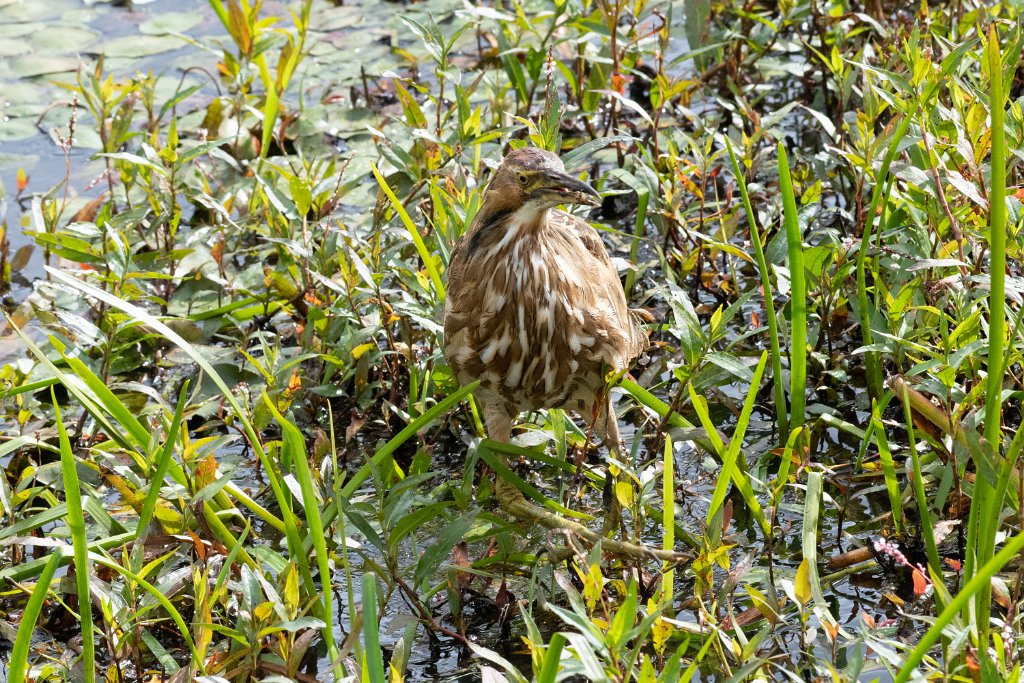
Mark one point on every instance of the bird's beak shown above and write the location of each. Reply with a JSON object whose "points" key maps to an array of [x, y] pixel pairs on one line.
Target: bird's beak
{"points": [[569, 190]]}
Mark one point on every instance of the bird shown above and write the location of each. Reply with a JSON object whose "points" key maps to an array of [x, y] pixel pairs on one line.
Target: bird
{"points": [[535, 309]]}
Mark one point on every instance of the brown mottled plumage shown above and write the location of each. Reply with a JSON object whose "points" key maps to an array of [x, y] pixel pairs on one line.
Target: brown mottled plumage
{"points": [[535, 309]]}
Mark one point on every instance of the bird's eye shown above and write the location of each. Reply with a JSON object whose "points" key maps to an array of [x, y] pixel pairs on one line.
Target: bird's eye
{"points": [[523, 179]]}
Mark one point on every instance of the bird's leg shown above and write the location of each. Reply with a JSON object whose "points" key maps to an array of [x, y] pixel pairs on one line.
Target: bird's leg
{"points": [[577, 477], [498, 421], [606, 425]]}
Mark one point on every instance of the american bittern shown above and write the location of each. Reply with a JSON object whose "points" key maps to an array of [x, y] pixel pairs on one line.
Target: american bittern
{"points": [[535, 308]]}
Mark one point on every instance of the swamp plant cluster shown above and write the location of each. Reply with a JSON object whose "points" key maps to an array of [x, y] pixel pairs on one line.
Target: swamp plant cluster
{"points": [[232, 450]]}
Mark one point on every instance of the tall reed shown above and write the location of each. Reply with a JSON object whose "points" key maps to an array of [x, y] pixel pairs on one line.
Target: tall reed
{"points": [[781, 419], [798, 298], [983, 521], [80, 543]]}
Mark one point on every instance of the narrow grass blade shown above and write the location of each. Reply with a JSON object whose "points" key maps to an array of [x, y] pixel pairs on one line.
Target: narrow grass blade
{"points": [[668, 520], [76, 523], [295, 447], [779, 390], [17, 665], [163, 463], [990, 505], [552, 659], [798, 297], [809, 535], [925, 517], [373, 657], [414, 233], [888, 467], [730, 471], [736, 472]]}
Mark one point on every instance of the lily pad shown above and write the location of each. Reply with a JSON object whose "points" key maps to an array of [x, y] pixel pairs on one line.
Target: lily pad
{"points": [[343, 16], [141, 46], [64, 39], [69, 11], [30, 66], [19, 29], [170, 22], [12, 129]]}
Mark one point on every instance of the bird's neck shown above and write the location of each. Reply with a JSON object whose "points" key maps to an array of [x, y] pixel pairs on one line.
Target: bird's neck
{"points": [[529, 218], [503, 224]]}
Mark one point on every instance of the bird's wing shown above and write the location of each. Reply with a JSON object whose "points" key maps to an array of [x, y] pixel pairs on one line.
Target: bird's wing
{"points": [[608, 290], [462, 309]]}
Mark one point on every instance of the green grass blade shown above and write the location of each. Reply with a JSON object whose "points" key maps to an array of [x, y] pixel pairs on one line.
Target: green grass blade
{"points": [[769, 302], [295, 445], [737, 472], [17, 665], [76, 523], [552, 659], [114, 406], [373, 657], [414, 233], [925, 517], [809, 535], [798, 299], [668, 519], [865, 305], [892, 485], [163, 463], [997, 248], [729, 470]]}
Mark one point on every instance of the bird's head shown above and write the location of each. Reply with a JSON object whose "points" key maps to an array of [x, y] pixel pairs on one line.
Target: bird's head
{"points": [[535, 177]]}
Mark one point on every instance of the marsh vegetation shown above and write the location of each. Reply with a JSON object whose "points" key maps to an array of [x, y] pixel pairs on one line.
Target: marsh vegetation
{"points": [[232, 449]]}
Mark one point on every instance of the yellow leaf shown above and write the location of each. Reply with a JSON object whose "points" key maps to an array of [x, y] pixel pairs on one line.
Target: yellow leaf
{"points": [[360, 350], [660, 631], [802, 585], [624, 493], [593, 585], [291, 591], [263, 611]]}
